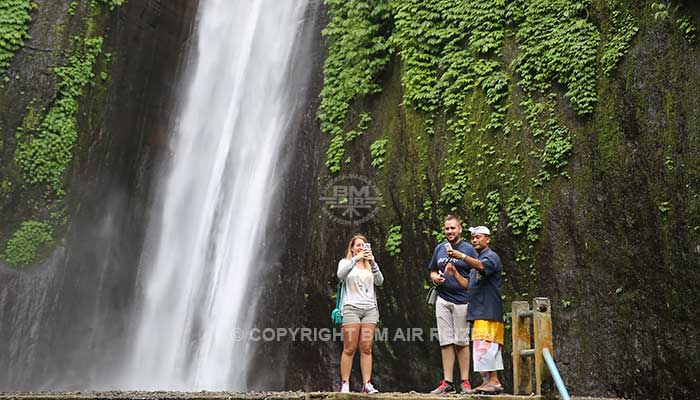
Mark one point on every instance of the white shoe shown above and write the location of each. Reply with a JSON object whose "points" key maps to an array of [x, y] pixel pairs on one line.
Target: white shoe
{"points": [[369, 389], [345, 387]]}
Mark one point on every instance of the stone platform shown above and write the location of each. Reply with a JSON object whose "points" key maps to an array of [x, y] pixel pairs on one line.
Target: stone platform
{"points": [[167, 395]]}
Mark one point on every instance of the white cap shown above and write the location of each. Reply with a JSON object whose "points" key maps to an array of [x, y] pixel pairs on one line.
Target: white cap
{"points": [[481, 230]]}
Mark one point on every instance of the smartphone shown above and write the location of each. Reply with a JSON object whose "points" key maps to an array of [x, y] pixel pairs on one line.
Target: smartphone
{"points": [[448, 246], [367, 246]]}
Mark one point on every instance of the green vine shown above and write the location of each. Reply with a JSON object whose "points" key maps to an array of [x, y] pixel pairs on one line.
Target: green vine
{"points": [[523, 217], [21, 249], [444, 46], [461, 61], [72, 8], [452, 193], [393, 240], [112, 4], [557, 44], [362, 126], [663, 11], [378, 152], [687, 28], [621, 34], [420, 33], [448, 49], [46, 139], [14, 23], [357, 52], [44, 156]]}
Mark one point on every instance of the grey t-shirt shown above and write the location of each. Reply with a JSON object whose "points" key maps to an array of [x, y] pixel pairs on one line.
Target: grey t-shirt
{"points": [[358, 290]]}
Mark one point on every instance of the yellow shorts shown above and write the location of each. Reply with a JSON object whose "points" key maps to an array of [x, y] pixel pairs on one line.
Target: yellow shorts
{"points": [[492, 331]]}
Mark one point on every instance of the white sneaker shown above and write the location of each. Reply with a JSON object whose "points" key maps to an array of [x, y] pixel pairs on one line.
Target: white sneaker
{"points": [[345, 387], [369, 389]]}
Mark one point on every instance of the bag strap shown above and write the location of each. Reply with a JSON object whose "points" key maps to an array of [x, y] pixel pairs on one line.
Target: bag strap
{"points": [[339, 295]]}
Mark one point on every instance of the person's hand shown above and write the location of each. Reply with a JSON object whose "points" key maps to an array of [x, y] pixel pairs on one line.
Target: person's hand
{"points": [[456, 254], [450, 269], [367, 255], [438, 280]]}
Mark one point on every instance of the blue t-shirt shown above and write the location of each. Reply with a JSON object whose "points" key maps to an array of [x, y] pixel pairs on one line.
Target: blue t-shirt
{"points": [[485, 289], [450, 289]]}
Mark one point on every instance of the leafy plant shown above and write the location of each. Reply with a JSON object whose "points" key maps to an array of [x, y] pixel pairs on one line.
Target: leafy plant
{"points": [[661, 11], [378, 152], [44, 157], [442, 44], [524, 218], [14, 23], [362, 126], [72, 8], [22, 247], [393, 240], [357, 52], [111, 4], [452, 193], [335, 153], [558, 44], [685, 24]]}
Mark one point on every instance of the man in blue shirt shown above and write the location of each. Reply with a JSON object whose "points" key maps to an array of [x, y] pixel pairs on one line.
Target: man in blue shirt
{"points": [[485, 309], [451, 305]]}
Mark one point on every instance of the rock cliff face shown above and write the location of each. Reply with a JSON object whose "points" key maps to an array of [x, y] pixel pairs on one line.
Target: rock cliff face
{"points": [[60, 319], [617, 247]]}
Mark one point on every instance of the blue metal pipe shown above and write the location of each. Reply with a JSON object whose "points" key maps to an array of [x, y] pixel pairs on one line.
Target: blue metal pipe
{"points": [[555, 374]]}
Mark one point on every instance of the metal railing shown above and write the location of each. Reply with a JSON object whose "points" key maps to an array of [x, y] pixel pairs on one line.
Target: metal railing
{"points": [[538, 353]]}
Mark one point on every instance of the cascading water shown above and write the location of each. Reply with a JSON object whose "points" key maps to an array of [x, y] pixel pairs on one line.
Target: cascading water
{"points": [[215, 202]]}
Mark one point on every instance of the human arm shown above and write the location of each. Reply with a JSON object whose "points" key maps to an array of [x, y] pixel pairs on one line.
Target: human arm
{"points": [[345, 266], [485, 265], [472, 262], [377, 273], [462, 281], [435, 277]]}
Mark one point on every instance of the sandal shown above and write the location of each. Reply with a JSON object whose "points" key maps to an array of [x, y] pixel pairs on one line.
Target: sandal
{"points": [[488, 388]]}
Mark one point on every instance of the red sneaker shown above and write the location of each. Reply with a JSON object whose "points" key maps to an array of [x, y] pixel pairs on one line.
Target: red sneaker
{"points": [[465, 387], [443, 388]]}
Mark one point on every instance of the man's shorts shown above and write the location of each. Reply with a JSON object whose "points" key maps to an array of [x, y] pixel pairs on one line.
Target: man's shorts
{"points": [[487, 356], [452, 324], [356, 315]]}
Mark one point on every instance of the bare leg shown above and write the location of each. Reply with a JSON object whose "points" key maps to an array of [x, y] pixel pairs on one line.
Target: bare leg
{"points": [[484, 378], [448, 361], [463, 359], [493, 378], [366, 339], [351, 336]]}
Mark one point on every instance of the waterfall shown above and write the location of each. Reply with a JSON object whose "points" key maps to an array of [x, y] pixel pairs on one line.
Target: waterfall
{"points": [[213, 206]]}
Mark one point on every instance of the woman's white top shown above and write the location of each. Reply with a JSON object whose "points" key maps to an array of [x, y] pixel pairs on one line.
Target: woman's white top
{"points": [[358, 290]]}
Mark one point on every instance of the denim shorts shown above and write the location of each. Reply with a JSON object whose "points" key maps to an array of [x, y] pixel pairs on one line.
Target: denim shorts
{"points": [[356, 315]]}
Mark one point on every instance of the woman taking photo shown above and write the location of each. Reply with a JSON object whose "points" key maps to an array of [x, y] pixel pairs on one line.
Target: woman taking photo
{"points": [[359, 273]]}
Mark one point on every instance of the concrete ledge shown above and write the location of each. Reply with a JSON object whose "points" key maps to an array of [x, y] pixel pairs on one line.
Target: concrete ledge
{"points": [[167, 395]]}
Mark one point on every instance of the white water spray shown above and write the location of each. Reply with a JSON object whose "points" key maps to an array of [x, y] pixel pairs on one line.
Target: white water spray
{"points": [[216, 199]]}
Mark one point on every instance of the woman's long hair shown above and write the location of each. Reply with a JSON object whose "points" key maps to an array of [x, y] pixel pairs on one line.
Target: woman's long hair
{"points": [[349, 255]]}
